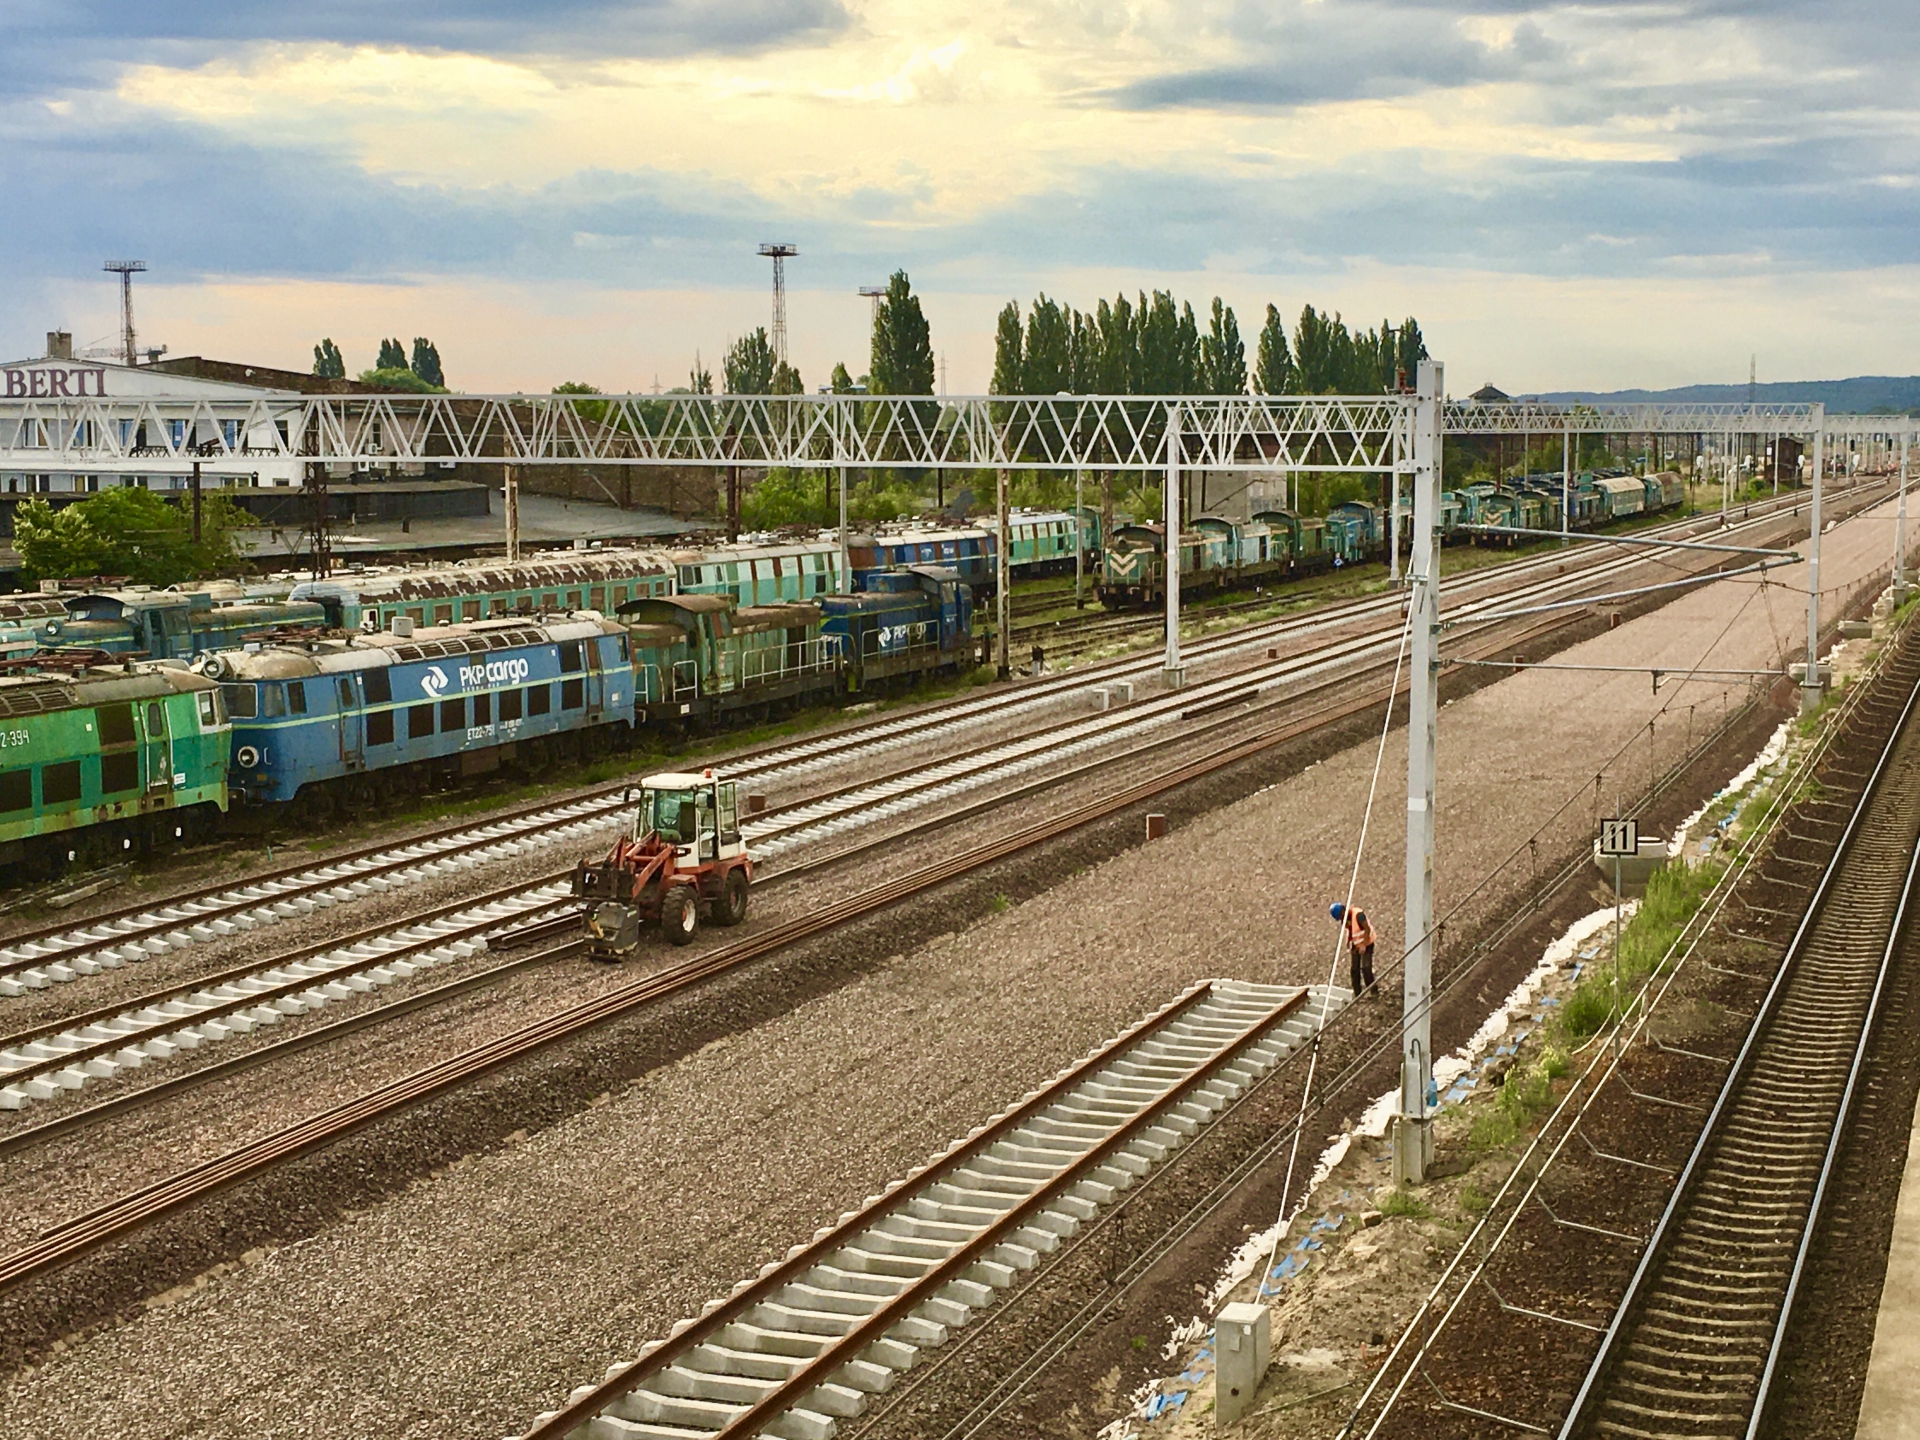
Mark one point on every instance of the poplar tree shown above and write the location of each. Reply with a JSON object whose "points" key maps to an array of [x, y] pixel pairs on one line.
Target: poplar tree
{"points": [[1223, 358], [1273, 372], [902, 343], [1046, 367], [1008, 350], [327, 361]]}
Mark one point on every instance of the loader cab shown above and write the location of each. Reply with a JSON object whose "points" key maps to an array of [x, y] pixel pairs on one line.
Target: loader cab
{"points": [[697, 814]]}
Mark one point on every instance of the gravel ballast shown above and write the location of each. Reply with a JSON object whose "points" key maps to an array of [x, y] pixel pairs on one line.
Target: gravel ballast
{"points": [[484, 1293]]}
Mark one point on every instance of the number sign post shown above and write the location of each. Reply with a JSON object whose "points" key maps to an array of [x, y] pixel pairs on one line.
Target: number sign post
{"points": [[1618, 839]]}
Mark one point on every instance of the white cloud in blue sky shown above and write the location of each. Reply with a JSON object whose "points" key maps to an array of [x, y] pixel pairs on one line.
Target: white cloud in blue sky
{"points": [[1715, 178]]}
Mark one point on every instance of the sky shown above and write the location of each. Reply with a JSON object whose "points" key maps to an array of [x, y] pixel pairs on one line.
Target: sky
{"points": [[1592, 196]]}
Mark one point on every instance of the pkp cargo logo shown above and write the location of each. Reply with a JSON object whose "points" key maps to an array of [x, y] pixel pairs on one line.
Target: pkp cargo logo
{"points": [[434, 682]]}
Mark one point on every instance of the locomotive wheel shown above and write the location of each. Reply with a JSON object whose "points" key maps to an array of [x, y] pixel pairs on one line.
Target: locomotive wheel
{"points": [[679, 914], [732, 907]]}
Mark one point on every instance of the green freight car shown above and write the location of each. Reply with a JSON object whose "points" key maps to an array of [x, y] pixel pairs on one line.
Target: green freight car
{"points": [[97, 759]]}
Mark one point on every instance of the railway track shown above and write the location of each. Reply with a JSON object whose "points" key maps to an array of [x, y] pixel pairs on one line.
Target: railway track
{"points": [[807, 1341], [61, 953], [60, 1057], [1693, 1346]]}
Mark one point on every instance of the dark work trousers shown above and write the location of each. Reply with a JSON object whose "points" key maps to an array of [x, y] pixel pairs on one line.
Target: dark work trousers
{"points": [[1362, 957]]}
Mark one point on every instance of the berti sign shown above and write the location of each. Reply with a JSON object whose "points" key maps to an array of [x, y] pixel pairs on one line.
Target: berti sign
{"points": [[51, 382]]}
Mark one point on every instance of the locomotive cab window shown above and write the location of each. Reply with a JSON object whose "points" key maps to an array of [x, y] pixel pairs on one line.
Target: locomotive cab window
{"points": [[380, 727], [16, 791], [115, 723], [378, 685], [572, 695], [297, 697], [345, 686], [242, 700], [273, 701], [120, 772], [209, 709], [569, 656]]}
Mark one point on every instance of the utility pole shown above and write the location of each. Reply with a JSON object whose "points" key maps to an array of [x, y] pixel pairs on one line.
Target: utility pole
{"points": [[1900, 525], [511, 485], [1002, 578], [322, 551], [1080, 539], [126, 270], [1810, 684], [1413, 1130], [194, 485], [1566, 478], [1173, 673]]}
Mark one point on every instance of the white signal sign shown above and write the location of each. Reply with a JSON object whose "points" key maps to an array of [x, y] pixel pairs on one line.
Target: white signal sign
{"points": [[1620, 837]]}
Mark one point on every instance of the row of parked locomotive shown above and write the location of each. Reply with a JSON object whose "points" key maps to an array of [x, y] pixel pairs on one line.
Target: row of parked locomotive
{"points": [[1277, 545], [309, 719]]}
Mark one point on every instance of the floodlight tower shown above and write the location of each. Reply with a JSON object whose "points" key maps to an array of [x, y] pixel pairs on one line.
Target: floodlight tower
{"points": [[874, 293], [779, 253], [126, 270]]}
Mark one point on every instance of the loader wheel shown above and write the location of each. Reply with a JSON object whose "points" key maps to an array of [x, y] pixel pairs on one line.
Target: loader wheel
{"points": [[679, 915], [732, 908]]}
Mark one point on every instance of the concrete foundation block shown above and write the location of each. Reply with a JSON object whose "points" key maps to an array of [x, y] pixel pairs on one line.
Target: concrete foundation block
{"points": [[1243, 1341]]}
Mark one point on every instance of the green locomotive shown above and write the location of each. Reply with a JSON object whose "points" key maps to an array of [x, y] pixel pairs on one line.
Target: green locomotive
{"points": [[98, 758]]}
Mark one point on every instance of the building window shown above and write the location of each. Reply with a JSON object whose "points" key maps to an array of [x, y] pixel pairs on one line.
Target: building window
{"points": [[469, 609], [443, 614]]}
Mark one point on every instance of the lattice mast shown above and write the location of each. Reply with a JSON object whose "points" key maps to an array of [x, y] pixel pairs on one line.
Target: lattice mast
{"points": [[126, 270], [779, 253]]}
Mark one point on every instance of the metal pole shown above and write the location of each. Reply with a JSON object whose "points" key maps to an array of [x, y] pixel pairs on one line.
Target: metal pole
{"points": [[511, 485], [1566, 478], [1900, 525], [1079, 539], [1413, 1134], [1393, 527], [1810, 686], [1616, 956], [195, 483], [1173, 673], [1003, 579], [846, 574]]}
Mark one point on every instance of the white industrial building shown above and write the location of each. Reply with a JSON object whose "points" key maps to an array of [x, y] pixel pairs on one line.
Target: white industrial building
{"points": [[153, 463]]}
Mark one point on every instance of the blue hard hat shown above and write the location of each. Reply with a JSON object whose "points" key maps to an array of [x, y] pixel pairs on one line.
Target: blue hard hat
{"points": [[1337, 910]]}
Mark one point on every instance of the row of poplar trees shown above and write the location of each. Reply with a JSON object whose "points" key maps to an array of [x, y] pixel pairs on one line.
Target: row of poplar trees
{"points": [[1151, 346]]}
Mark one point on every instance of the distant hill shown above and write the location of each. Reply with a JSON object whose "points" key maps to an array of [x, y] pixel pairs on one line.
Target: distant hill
{"points": [[1863, 394]]}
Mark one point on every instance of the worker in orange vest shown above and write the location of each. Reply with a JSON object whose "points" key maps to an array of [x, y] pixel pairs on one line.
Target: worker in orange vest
{"points": [[1359, 941]]}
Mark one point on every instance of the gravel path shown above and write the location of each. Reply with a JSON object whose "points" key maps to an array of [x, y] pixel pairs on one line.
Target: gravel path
{"points": [[480, 1295]]}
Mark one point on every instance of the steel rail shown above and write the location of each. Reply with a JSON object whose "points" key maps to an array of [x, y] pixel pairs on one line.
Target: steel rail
{"points": [[817, 1369], [861, 732], [1759, 1035], [394, 1009]]}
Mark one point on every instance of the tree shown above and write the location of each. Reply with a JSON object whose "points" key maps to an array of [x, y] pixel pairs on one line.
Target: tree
{"points": [[841, 381], [749, 364], [1223, 358], [1008, 353], [399, 377], [1410, 348], [699, 379], [1119, 368], [392, 356], [1160, 346], [127, 531], [589, 410], [902, 343], [785, 497], [327, 363], [1273, 372], [1316, 354], [426, 362], [1046, 368], [787, 381]]}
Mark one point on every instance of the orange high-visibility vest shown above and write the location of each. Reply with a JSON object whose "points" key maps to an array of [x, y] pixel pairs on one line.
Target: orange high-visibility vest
{"points": [[1359, 932]]}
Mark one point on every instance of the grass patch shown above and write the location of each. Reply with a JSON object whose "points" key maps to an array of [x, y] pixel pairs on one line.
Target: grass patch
{"points": [[1474, 1199], [1403, 1203], [1001, 904]]}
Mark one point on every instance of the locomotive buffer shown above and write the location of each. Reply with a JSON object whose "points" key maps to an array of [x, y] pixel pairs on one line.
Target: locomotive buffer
{"points": [[682, 860]]}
